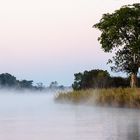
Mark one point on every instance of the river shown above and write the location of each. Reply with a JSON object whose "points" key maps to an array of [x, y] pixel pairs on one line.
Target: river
{"points": [[32, 116]]}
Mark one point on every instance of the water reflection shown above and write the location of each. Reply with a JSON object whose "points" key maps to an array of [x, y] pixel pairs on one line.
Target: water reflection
{"points": [[133, 133], [128, 126]]}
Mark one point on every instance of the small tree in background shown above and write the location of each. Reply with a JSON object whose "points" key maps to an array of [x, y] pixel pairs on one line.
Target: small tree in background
{"points": [[40, 86], [26, 84], [53, 85]]}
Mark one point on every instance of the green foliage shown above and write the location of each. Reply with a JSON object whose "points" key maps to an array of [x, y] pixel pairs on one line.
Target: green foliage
{"points": [[121, 31], [124, 61], [91, 79], [99, 79], [116, 82]]}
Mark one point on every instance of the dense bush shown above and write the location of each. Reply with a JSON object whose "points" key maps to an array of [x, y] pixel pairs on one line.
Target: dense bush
{"points": [[91, 79], [99, 79]]}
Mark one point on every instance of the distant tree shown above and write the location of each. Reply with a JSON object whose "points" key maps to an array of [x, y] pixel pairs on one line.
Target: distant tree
{"points": [[121, 31], [7, 80], [91, 79], [40, 86], [54, 85], [26, 84], [61, 87]]}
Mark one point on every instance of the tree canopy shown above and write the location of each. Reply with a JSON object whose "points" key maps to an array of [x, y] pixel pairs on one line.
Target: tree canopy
{"points": [[120, 31], [91, 79], [98, 78]]}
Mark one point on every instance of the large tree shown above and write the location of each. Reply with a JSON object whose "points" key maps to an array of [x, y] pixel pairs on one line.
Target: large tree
{"points": [[121, 33]]}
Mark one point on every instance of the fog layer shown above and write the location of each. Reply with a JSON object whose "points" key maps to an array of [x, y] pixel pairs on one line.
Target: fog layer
{"points": [[32, 116]]}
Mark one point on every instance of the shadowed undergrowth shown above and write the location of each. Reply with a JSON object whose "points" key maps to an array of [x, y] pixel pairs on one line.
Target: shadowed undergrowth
{"points": [[116, 97]]}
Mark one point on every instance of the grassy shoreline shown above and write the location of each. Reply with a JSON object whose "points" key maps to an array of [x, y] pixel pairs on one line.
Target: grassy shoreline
{"points": [[116, 97]]}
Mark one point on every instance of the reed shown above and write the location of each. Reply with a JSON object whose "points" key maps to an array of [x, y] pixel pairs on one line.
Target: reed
{"points": [[117, 97]]}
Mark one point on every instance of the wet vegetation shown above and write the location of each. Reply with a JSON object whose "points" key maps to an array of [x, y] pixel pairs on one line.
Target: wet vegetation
{"points": [[116, 97], [97, 87]]}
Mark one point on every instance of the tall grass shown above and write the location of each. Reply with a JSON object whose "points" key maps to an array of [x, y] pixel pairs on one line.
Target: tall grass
{"points": [[117, 97]]}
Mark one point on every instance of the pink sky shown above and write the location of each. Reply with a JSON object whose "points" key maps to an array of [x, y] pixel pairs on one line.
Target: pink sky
{"points": [[47, 40]]}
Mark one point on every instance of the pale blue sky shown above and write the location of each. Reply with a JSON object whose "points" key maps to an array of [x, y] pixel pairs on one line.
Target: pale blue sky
{"points": [[48, 40]]}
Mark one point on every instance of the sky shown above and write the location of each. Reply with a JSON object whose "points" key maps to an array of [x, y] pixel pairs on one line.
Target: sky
{"points": [[50, 40]]}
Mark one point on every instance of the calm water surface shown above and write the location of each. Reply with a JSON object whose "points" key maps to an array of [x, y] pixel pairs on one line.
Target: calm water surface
{"points": [[38, 117]]}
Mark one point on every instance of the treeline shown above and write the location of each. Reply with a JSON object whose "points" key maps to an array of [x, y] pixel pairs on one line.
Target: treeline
{"points": [[99, 79], [9, 81]]}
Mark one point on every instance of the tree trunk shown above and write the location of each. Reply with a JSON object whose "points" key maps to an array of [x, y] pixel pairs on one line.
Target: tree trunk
{"points": [[133, 80]]}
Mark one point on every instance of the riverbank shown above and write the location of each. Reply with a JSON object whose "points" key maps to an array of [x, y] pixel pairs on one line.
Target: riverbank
{"points": [[116, 97]]}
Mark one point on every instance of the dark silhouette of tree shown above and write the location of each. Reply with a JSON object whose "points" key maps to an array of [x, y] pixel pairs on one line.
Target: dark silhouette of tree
{"points": [[7, 80], [40, 86], [116, 82], [53, 85], [26, 84], [121, 31], [91, 79], [99, 79]]}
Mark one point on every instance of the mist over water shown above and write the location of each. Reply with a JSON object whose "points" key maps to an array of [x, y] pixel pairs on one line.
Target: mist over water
{"points": [[36, 116]]}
